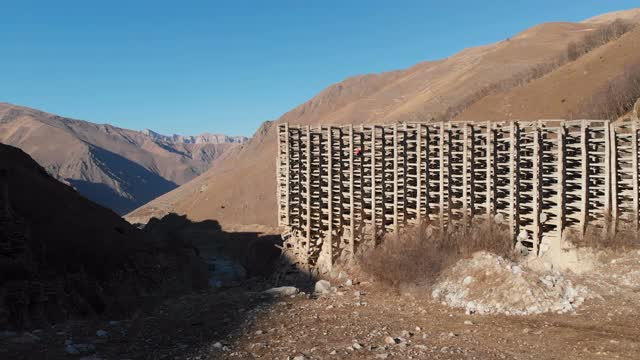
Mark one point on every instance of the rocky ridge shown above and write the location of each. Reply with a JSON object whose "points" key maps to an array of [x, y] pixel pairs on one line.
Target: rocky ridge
{"points": [[205, 138], [118, 168]]}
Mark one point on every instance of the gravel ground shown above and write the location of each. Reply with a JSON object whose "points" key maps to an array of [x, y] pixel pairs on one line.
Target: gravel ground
{"points": [[360, 321]]}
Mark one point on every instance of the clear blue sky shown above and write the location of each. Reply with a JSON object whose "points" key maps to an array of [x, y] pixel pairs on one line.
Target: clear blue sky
{"points": [[225, 66]]}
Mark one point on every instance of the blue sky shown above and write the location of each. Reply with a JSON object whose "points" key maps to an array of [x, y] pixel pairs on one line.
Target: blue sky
{"points": [[189, 67]]}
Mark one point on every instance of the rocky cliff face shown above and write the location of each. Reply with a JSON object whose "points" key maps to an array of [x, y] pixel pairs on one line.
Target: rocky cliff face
{"points": [[118, 168], [205, 138]]}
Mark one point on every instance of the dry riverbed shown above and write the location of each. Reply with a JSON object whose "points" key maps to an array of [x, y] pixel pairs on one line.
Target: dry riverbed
{"points": [[359, 321]]}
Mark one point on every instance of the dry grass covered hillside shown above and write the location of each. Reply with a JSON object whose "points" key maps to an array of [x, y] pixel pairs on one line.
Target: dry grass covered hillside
{"points": [[565, 92], [242, 189]]}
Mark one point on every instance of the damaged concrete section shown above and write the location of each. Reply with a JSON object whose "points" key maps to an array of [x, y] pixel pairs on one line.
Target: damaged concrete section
{"points": [[547, 182]]}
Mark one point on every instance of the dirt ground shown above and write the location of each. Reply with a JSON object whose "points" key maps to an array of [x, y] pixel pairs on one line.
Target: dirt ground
{"points": [[240, 323]]}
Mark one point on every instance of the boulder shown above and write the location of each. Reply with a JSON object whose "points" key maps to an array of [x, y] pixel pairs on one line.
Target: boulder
{"points": [[322, 287], [282, 291]]}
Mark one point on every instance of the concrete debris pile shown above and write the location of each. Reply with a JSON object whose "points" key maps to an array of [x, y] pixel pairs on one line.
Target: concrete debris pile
{"points": [[490, 284]]}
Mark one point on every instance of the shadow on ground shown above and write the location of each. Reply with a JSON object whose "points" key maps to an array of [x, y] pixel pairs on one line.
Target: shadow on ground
{"points": [[255, 252], [177, 327], [210, 320]]}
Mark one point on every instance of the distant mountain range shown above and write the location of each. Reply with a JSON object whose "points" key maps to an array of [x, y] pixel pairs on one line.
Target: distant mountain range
{"points": [[117, 168], [205, 138]]}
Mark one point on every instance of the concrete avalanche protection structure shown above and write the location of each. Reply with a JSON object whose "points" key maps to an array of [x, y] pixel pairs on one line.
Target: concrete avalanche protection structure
{"points": [[544, 181]]}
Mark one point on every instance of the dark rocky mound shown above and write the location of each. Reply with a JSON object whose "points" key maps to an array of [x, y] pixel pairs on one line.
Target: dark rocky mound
{"points": [[62, 255]]}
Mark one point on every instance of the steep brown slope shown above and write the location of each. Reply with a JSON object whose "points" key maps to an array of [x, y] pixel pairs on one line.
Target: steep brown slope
{"points": [[632, 15], [242, 187], [242, 190], [562, 93], [118, 168], [428, 89], [62, 253]]}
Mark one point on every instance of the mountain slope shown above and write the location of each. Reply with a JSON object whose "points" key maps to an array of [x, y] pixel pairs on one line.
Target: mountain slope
{"points": [[564, 92], [242, 189], [632, 15], [63, 252], [118, 168]]}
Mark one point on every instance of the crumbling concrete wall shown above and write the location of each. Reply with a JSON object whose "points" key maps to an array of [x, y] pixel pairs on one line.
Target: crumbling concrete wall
{"points": [[543, 180]]}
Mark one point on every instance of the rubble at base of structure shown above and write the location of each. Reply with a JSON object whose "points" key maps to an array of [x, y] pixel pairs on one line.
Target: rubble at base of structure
{"points": [[490, 284]]}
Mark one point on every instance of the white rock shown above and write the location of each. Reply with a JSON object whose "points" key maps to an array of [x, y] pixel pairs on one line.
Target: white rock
{"points": [[322, 287], [349, 282], [516, 270], [471, 307], [71, 350], [467, 280], [356, 346], [389, 340], [282, 291], [217, 345]]}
